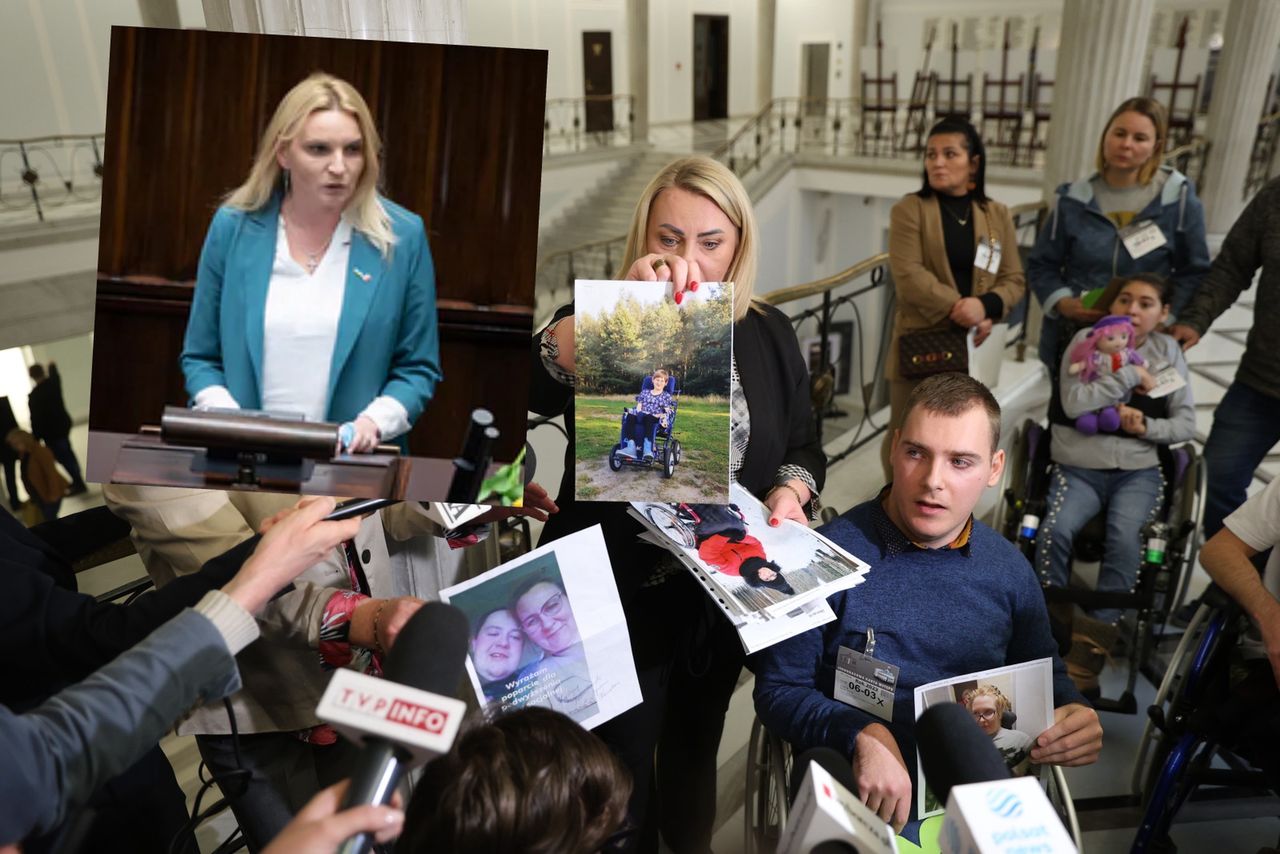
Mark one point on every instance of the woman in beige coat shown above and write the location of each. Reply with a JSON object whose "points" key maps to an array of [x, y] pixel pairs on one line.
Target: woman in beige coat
{"points": [[953, 254]]}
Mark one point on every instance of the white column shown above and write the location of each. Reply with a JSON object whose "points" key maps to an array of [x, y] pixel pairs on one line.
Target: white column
{"points": [[1100, 59], [442, 21], [638, 67], [1249, 43], [766, 33], [159, 13]]}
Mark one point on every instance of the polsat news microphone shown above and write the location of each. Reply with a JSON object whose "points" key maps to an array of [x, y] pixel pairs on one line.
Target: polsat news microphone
{"points": [[406, 718], [826, 814], [987, 810]]}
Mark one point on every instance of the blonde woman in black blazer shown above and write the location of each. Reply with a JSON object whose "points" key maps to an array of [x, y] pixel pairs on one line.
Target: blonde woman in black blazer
{"points": [[694, 223]]}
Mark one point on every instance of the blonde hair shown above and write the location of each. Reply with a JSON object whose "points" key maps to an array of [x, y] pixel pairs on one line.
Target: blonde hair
{"points": [[660, 372], [712, 179], [1154, 111], [1002, 702], [320, 92]]}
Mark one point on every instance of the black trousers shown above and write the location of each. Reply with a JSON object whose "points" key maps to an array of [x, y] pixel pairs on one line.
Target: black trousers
{"points": [[688, 658]]}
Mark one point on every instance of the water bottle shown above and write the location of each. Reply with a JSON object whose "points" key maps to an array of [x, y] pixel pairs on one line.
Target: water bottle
{"points": [[1156, 536]]}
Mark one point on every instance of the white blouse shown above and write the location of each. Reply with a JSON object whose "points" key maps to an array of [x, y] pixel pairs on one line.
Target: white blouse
{"points": [[300, 326]]}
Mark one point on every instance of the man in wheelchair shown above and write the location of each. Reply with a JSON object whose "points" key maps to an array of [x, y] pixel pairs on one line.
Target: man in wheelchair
{"points": [[946, 596], [1228, 557]]}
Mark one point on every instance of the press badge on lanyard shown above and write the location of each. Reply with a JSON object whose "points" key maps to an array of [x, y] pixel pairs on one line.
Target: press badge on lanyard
{"points": [[988, 255], [864, 682], [1142, 237]]}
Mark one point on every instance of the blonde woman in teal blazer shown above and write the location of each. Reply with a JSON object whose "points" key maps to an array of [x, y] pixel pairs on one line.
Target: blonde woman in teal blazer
{"points": [[314, 179]]}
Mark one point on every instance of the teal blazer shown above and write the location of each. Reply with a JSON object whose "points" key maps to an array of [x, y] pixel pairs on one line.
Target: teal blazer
{"points": [[387, 343]]}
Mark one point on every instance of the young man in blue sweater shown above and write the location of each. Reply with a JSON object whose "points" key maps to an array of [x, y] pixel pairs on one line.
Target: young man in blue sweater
{"points": [[946, 596]]}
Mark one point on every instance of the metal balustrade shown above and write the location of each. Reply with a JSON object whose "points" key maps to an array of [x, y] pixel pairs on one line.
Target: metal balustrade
{"points": [[46, 172], [581, 124]]}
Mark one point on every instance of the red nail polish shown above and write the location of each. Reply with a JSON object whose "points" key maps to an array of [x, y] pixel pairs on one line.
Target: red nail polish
{"points": [[693, 286], [773, 522], [678, 298]]}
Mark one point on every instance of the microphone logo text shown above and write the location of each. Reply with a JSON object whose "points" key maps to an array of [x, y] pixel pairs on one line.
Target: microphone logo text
{"points": [[395, 710]]}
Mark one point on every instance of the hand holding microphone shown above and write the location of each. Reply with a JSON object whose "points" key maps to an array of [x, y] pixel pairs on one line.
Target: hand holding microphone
{"points": [[405, 718], [320, 827]]}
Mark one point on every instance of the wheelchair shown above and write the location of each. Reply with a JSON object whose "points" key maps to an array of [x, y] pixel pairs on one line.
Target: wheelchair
{"points": [[1201, 743], [769, 768], [667, 452], [1160, 588]]}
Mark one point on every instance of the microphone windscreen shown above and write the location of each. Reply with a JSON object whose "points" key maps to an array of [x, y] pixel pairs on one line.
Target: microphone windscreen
{"points": [[954, 750], [830, 761], [430, 652]]}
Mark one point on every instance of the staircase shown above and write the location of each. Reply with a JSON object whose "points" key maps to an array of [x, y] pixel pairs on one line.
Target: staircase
{"points": [[605, 211], [602, 216]]}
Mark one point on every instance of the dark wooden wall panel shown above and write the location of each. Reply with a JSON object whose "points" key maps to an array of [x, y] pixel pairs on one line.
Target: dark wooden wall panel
{"points": [[484, 355], [461, 132]]}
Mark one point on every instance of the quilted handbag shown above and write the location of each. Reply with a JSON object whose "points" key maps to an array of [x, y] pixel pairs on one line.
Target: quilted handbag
{"points": [[933, 351]]}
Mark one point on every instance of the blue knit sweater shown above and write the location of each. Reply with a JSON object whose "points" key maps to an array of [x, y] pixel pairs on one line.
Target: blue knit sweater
{"points": [[937, 613]]}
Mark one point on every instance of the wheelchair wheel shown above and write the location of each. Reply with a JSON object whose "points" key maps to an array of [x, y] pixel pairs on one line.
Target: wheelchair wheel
{"points": [[679, 450], [615, 457], [669, 460], [768, 765], [664, 517]]}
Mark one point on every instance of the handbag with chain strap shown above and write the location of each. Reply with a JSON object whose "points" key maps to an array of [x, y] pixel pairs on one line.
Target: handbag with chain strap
{"points": [[933, 351]]}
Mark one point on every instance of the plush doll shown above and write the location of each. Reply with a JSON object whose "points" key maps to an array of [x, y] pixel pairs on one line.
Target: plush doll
{"points": [[1106, 349]]}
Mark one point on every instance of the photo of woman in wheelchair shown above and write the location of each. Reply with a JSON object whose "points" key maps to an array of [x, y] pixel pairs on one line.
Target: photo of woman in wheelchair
{"points": [[648, 428], [1106, 434]]}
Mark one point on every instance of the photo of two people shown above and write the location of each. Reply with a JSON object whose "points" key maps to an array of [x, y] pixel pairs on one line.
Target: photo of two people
{"points": [[528, 650], [547, 629], [652, 400]]}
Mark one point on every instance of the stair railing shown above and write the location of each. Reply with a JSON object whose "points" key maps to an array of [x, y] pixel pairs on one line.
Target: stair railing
{"points": [[45, 172]]}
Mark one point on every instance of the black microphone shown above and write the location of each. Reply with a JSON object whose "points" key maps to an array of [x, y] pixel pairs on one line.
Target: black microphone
{"points": [[429, 654], [954, 750]]}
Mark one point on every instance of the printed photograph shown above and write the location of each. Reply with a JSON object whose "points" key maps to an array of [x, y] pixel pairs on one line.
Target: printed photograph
{"points": [[652, 401], [1011, 704], [545, 635], [760, 568]]}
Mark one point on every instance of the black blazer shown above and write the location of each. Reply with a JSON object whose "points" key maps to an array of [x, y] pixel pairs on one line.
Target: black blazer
{"points": [[775, 381]]}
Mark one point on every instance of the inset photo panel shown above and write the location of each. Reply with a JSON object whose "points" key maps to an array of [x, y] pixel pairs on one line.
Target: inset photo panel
{"points": [[651, 405], [316, 263]]}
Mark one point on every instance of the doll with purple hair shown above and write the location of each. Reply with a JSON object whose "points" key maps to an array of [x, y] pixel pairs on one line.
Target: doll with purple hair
{"points": [[1106, 349]]}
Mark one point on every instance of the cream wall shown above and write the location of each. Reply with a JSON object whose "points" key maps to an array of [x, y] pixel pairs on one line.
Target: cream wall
{"points": [[813, 21], [555, 26], [671, 56]]}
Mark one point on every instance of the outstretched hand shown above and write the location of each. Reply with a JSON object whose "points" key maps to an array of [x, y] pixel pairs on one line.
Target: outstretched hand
{"points": [[1074, 739], [293, 540], [537, 504]]}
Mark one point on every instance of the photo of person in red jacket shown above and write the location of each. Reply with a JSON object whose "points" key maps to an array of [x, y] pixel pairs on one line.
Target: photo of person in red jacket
{"points": [[720, 532]]}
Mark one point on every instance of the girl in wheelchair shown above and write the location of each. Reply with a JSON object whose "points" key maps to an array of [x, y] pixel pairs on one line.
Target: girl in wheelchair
{"points": [[1119, 472], [654, 408]]}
